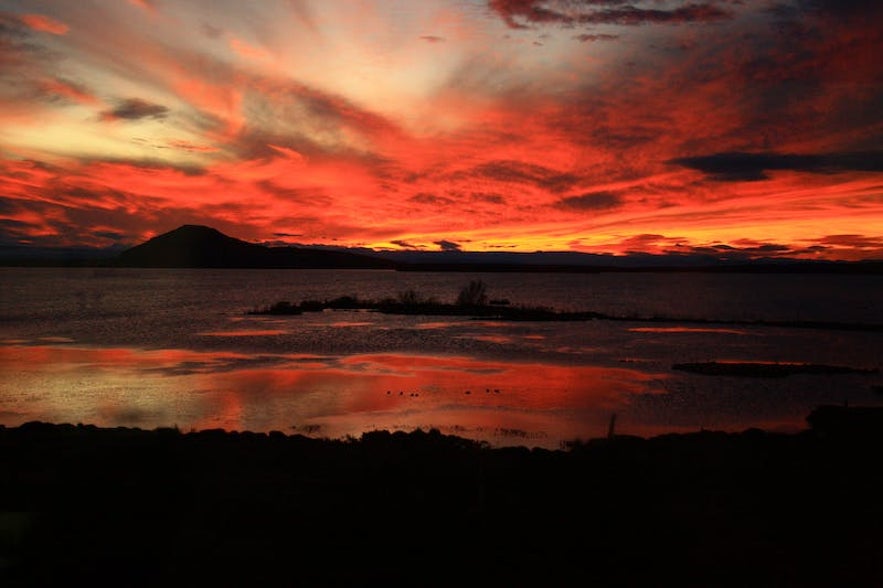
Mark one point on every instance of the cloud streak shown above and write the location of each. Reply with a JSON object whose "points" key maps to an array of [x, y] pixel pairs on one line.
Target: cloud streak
{"points": [[45, 24], [135, 109], [519, 14]]}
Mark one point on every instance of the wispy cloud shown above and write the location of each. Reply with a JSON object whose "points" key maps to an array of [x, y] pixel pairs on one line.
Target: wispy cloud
{"points": [[521, 13], [45, 24]]}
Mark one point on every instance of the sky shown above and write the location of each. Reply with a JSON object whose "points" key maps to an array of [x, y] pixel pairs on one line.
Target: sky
{"points": [[748, 128]]}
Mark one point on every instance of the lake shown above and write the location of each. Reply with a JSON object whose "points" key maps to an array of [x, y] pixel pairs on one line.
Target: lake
{"points": [[150, 348]]}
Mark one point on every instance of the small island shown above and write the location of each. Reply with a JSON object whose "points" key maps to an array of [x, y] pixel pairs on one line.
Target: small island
{"points": [[473, 301]]}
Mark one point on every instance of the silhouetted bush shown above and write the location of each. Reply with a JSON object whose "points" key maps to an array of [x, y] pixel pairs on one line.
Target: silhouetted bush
{"points": [[281, 307], [410, 297], [474, 294], [346, 303], [312, 306]]}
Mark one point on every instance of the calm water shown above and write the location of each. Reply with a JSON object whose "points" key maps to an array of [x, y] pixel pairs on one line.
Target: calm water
{"points": [[152, 348]]}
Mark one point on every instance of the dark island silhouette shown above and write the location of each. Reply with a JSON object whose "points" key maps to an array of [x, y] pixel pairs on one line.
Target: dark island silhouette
{"points": [[195, 246], [87, 506], [473, 301]]}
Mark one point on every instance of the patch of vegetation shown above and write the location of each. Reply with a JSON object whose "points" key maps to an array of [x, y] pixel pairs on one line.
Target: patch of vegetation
{"points": [[472, 300], [473, 294]]}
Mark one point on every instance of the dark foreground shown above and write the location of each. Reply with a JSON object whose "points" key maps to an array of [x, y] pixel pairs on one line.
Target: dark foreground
{"points": [[125, 507]]}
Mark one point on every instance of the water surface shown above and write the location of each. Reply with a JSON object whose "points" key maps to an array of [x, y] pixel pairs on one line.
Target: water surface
{"points": [[154, 348]]}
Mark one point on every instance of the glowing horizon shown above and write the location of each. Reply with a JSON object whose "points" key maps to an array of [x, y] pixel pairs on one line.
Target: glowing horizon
{"points": [[723, 127]]}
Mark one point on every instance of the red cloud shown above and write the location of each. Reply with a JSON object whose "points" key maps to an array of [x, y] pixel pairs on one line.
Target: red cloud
{"points": [[44, 24]]}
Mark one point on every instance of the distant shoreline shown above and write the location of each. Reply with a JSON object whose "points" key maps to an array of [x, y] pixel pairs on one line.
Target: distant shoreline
{"points": [[198, 246], [786, 268]]}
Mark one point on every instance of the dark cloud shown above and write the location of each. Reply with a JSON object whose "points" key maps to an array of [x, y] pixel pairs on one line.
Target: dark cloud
{"points": [[856, 241], [305, 196], [841, 7], [526, 10], [8, 206], [448, 245], [432, 39], [149, 164], [426, 198], [739, 250], [591, 38], [626, 136], [404, 244], [135, 109], [519, 14], [212, 32], [738, 166], [631, 15], [725, 251], [114, 236], [645, 240], [15, 232], [591, 201], [188, 146], [526, 173], [488, 197]]}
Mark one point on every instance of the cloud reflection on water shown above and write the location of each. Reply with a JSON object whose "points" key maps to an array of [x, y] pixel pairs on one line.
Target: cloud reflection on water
{"points": [[499, 401]]}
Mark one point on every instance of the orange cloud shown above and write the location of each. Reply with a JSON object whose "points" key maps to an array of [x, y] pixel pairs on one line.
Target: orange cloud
{"points": [[45, 24], [147, 5]]}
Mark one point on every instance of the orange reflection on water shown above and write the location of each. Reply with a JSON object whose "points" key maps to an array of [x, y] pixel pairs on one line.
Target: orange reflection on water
{"points": [[498, 401], [61, 357]]}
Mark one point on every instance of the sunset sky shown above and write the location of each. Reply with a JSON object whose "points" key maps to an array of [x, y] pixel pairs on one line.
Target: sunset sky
{"points": [[750, 127]]}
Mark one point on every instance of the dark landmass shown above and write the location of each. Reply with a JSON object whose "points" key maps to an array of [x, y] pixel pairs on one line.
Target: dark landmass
{"points": [[21, 256], [425, 307], [87, 506], [767, 370], [194, 246], [413, 303]]}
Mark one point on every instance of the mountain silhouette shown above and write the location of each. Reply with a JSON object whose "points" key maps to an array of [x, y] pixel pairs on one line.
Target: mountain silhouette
{"points": [[199, 246]]}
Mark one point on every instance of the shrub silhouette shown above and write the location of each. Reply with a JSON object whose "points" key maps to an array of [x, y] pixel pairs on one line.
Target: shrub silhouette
{"points": [[474, 294]]}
